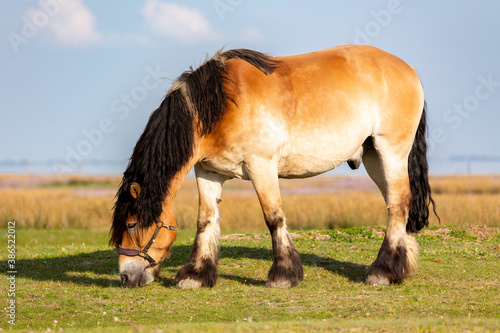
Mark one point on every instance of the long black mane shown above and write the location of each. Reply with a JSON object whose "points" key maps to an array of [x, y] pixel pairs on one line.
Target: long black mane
{"points": [[167, 143]]}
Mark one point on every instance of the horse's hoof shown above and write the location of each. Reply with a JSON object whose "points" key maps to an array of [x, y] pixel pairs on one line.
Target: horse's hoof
{"points": [[188, 284], [282, 284], [377, 280]]}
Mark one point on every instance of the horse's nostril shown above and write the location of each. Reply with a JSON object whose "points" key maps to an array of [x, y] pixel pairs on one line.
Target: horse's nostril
{"points": [[124, 278]]}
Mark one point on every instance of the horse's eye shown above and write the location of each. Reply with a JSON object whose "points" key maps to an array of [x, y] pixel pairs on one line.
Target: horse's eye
{"points": [[131, 225]]}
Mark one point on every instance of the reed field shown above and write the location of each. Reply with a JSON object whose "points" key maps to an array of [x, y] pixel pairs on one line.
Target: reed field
{"points": [[324, 202]]}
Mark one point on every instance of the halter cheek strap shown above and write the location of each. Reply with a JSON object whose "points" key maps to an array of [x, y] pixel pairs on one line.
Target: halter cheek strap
{"points": [[144, 252]]}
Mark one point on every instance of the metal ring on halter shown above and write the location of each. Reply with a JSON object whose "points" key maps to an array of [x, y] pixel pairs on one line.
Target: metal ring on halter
{"points": [[144, 252]]}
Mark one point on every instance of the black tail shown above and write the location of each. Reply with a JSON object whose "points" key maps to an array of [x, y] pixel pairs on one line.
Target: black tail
{"points": [[419, 180]]}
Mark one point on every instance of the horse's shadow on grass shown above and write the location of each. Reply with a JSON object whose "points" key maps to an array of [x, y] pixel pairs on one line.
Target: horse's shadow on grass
{"points": [[94, 268]]}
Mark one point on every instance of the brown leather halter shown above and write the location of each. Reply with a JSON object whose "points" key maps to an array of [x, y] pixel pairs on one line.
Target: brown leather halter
{"points": [[144, 252]]}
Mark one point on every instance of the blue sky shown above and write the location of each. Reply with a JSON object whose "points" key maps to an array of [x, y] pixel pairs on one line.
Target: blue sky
{"points": [[79, 78]]}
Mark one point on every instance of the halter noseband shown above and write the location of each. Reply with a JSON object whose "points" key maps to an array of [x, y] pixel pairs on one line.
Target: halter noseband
{"points": [[144, 252]]}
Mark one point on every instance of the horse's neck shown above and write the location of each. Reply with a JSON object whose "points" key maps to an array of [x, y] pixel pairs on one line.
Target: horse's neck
{"points": [[176, 183]]}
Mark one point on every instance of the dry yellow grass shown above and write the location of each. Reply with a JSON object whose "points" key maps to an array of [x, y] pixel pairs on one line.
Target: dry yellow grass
{"points": [[466, 184], [54, 208], [319, 203], [479, 209]]}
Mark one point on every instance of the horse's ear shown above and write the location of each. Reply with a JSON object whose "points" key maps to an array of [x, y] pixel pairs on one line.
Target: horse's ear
{"points": [[135, 190]]}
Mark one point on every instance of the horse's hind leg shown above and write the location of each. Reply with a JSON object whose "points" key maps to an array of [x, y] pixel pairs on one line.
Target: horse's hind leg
{"points": [[286, 270], [201, 270], [373, 167], [398, 254]]}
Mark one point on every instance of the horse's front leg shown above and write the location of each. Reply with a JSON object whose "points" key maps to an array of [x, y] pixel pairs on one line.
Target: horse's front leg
{"points": [[286, 270], [201, 270]]}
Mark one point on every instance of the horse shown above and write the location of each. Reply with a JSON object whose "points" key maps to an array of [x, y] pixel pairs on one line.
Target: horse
{"points": [[248, 115]]}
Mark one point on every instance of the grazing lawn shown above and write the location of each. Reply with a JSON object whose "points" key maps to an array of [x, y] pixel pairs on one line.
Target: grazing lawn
{"points": [[68, 280]]}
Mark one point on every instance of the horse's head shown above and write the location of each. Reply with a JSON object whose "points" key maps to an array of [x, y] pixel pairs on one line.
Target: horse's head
{"points": [[142, 245]]}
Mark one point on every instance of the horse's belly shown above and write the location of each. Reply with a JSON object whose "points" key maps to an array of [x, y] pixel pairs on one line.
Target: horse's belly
{"points": [[303, 166], [224, 166], [306, 158]]}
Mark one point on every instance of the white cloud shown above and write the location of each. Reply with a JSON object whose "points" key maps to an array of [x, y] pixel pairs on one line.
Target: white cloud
{"points": [[71, 23], [178, 22], [252, 35]]}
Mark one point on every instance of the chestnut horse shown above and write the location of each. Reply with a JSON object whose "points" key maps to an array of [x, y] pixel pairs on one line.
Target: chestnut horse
{"points": [[244, 114]]}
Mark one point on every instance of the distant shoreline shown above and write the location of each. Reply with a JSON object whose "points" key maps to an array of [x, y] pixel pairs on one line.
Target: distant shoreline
{"points": [[454, 166]]}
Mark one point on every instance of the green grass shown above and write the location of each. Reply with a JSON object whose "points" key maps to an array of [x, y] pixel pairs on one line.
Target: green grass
{"points": [[71, 276]]}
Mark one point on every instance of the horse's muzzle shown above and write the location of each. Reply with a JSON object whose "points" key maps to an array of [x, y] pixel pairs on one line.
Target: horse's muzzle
{"points": [[134, 275]]}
